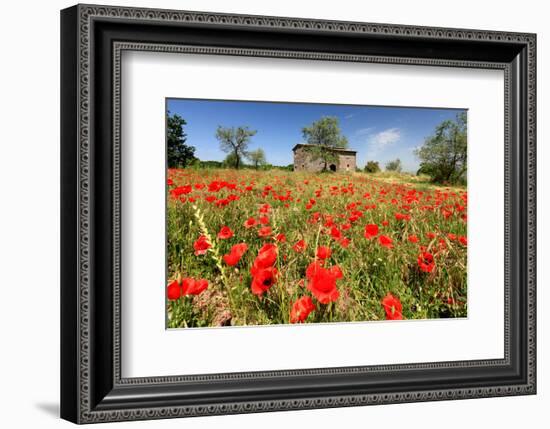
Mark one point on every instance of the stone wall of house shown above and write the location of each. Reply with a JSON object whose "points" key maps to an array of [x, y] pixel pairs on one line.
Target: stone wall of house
{"points": [[303, 162], [347, 162]]}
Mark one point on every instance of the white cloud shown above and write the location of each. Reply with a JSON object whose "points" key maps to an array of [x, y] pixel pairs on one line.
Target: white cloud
{"points": [[362, 132], [384, 138]]}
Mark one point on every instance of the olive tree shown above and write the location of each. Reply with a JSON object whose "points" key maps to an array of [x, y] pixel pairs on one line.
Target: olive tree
{"points": [[444, 155], [324, 136], [235, 141]]}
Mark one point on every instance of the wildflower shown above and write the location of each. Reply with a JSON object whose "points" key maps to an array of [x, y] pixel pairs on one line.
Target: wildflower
{"points": [[225, 233], [173, 291], [264, 231], [201, 245], [426, 262], [385, 241], [249, 223], [263, 280], [401, 216], [266, 258], [371, 231], [323, 252], [300, 246], [300, 309], [322, 282], [193, 287], [392, 307], [237, 251]]}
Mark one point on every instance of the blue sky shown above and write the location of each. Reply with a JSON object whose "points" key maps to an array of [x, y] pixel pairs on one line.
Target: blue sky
{"points": [[376, 133]]}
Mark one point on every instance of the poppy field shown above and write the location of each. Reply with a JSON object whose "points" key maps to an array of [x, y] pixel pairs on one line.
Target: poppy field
{"points": [[249, 247]]}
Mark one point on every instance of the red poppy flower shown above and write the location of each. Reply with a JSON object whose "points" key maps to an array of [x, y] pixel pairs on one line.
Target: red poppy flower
{"points": [[385, 222], [426, 262], [451, 236], [446, 213], [237, 251], [413, 238], [264, 231], [463, 240], [335, 233], [392, 307], [263, 280], [265, 208], [322, 282], [169, 182], [267, 256], [181, 190], [336, 271], [264, 220], [300, 309], [249, 223], [194, 287], [401, 216], [385, 241], [431, 235], [281, 238], [201, 245], [323, 252], [312, 268], [300, 246], [371, 231], [173, 291], [344, 242], [225, 233]]}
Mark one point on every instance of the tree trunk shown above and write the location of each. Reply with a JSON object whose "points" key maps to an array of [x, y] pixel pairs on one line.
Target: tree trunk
{"points": [[237, 160]]}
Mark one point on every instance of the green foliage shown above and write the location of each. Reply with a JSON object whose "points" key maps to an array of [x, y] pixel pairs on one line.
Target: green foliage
{"points": [[235, 141], [257, 158], [444, 155], [372, 167], [324, 135], [232, 160], [394, 165], [210, 164], [179, 154]]}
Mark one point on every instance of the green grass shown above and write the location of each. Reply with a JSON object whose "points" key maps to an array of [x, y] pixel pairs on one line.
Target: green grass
{"points": [[370, 271]]}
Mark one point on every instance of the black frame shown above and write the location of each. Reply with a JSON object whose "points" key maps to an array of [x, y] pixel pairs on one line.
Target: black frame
{"points": [[92, 38]]}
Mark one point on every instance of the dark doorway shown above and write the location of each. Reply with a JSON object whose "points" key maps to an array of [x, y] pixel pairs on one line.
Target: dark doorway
{"points": [[332, 167]]}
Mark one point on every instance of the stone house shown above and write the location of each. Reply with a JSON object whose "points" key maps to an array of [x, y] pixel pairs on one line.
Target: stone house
{"points": [[303, 162]]}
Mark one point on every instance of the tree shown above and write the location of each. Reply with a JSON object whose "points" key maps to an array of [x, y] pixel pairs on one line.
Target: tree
{"points": [[324, 135], [257, 157], [372, 167], [444, 155], [394, 165], [179, 154], [232, 160], [234, 141]]}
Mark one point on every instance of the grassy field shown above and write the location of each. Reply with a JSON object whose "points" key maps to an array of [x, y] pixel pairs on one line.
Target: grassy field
{"points": [[272, 247]]}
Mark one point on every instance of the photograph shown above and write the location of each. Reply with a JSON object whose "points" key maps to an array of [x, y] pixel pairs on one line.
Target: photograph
{"points": [[286, 208], [288, 213]]}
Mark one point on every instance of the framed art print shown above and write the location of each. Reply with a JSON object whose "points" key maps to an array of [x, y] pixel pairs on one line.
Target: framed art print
{"points": [[265, 213]]}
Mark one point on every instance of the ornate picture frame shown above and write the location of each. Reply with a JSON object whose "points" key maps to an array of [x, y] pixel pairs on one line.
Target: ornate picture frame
{"points": [[92, 40]]}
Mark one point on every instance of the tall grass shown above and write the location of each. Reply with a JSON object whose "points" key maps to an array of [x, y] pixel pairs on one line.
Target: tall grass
{"points": [[307, 206]]}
